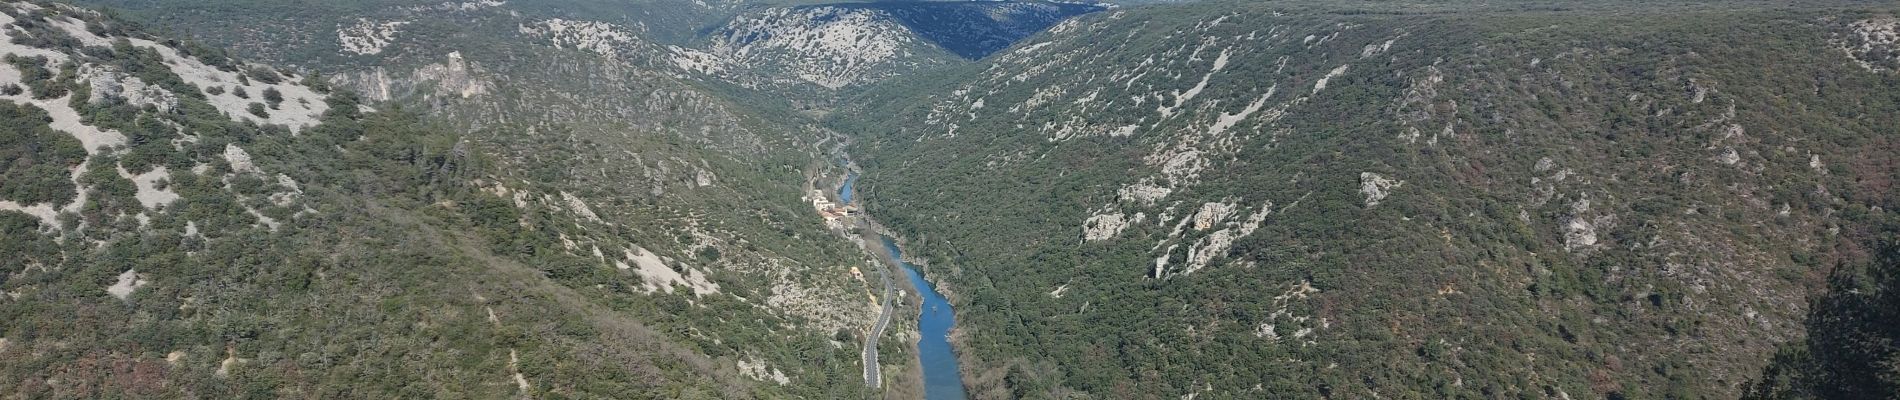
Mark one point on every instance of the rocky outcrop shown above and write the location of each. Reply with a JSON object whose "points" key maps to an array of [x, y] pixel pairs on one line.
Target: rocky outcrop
{"points": [[602, 38], [1872, 43], [1103, 226], [1376, 187], [109, 84], [366, 37], [831, 47], [453, 77]]}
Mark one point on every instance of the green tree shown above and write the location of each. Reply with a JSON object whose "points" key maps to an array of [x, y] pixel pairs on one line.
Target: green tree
{"points": [[273, 96], [1853, 345], [34, 158]]}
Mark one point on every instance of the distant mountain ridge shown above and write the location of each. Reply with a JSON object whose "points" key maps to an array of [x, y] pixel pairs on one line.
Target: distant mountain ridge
{"points": [[803, 48], [975, 29]]}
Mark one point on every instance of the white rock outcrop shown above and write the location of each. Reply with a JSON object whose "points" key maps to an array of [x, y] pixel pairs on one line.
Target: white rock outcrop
{"points": [[659, 277], [1580, 228], [129, 282], [454, 6], [1335, 73], [753, 368], [239, 159], [832, 47], [1103, 227], [1874, 44], [1145, 192], [108, 84], [1216, 245], [579, 207], [453, 77], [1211, 214], [235, 91], [1376, 187], [366, 37], [591, 36]]}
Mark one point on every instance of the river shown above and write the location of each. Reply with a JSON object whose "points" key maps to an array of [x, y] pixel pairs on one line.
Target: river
{"points": [[942, 379], [845, 192]]}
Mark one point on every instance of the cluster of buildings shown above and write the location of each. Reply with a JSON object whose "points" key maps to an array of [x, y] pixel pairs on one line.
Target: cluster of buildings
{"points": [[834, 213]]}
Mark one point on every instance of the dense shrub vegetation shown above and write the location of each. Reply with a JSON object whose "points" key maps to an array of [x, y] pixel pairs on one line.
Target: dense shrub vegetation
{"points": [[1595, 199], [1468, 280], [365, 256], [35, 157], [1853, 346]]}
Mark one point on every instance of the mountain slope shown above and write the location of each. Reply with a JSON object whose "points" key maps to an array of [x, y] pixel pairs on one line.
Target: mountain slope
{"points": [[976, 29], [1853, 344], [578, 106], [583, 198], [1329, 201], [187, 224], [794, 48], [665, 152]]}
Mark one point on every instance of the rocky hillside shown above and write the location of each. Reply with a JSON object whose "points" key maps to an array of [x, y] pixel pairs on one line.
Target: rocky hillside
{"points": [[182, 223], [976, 29], [667, 161], [828, 46], [773, 49], [587, 108], [589, 198], [1236, 200], [860, 44]]}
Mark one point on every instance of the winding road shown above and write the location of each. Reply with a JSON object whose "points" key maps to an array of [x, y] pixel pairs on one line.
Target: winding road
{"points": [[873, 377], [873, 373]]}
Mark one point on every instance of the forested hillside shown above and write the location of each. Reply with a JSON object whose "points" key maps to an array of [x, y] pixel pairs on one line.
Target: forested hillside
{"points": [[1245, 199], [1853, 346], [1218, 199], [667, 137], [182, 223]]}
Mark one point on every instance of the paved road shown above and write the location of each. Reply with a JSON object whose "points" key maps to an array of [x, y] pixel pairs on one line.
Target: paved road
{"points": [[872, 376], [873, 373]]}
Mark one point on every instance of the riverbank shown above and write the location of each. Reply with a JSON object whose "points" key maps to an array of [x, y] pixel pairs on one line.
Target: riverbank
{"points": [[935, 363], [943, 379]]}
